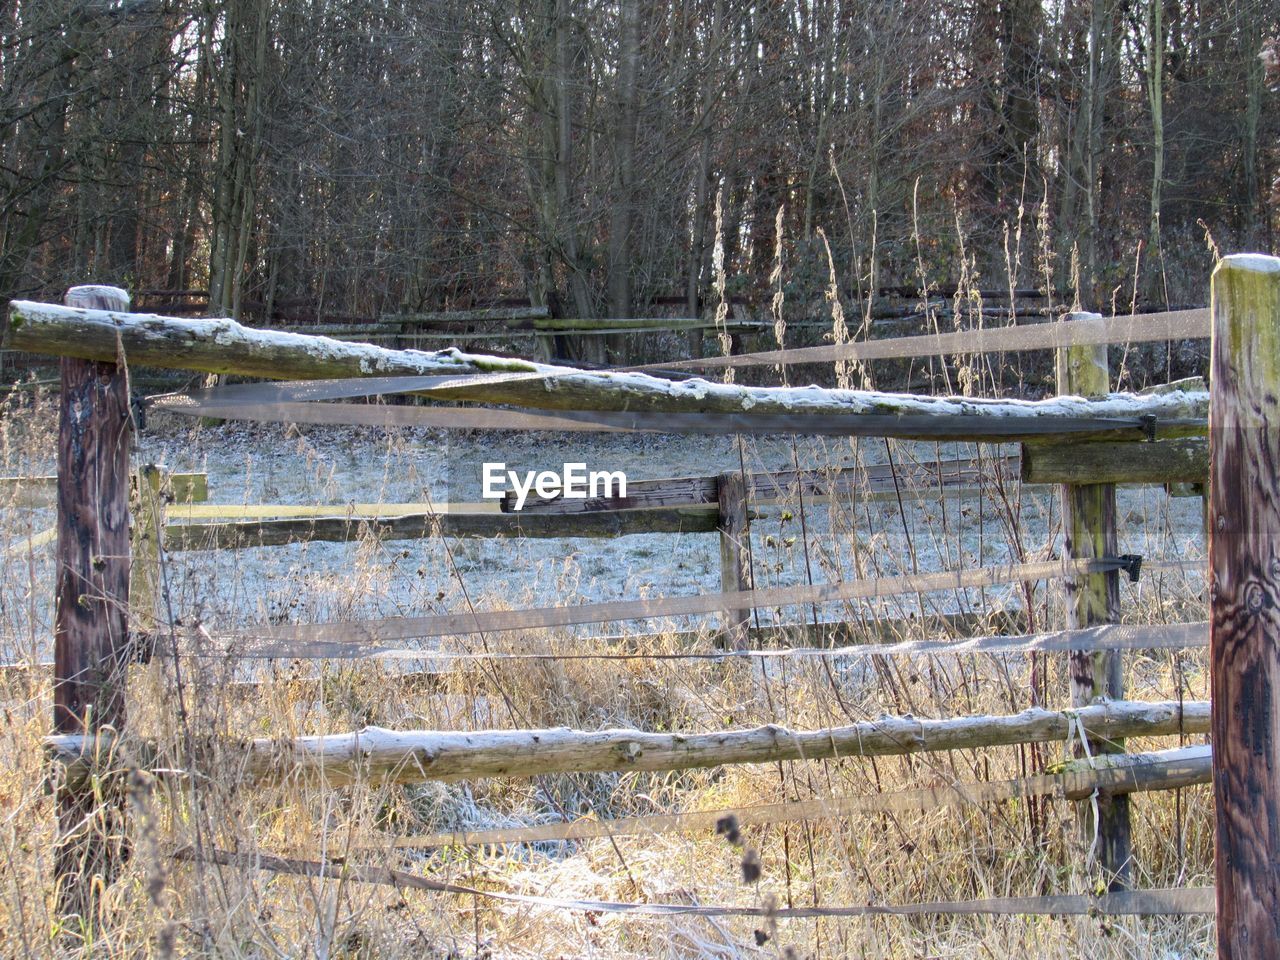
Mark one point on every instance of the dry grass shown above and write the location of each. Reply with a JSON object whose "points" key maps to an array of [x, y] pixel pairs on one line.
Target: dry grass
{"points": [[160, 907]]}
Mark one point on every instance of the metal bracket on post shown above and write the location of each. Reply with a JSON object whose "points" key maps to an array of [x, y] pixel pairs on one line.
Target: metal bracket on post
{"points": [[1131, 563]]}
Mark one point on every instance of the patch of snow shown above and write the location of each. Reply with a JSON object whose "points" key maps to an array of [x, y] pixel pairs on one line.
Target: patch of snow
{"points": [[1258, 262], [101, 290]]}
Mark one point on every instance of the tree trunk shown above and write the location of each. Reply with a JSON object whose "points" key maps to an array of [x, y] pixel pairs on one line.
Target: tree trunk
{"points": [[624, 147], [1155, 100]]}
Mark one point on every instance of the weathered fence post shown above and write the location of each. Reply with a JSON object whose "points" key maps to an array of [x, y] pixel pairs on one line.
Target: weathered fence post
{"points": [[1089, 525], [152, 488], [91, 639], [731, 490], [1244, 565]]}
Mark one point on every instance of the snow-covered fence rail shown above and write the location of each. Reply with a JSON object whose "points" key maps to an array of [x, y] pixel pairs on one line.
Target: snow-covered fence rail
{"points": [[224, 346], [414, 756]]}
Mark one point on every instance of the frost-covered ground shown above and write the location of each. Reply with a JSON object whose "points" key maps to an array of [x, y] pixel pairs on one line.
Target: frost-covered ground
{"points": [[252, 464]]}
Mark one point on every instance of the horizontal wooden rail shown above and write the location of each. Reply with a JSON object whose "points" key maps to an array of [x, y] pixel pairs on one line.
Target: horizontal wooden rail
{"points": [[414, 756], [223, 346], [1182, 636], [407, 323], [1182, 901], [1115, 773], [277, 511], [507, 315], [872, 482], [504, 322], [1143, 328], [534, 618], [1166, 461], [845, 641], [38, 491], [1121, 462], [414, 526]]}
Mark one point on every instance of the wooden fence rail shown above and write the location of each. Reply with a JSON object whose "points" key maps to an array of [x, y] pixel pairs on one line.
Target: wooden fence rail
{"points": [[414, 526], [223, 346], [875, 482], [1076, 780], [1182, 901], [415, 756], [41, 491]]}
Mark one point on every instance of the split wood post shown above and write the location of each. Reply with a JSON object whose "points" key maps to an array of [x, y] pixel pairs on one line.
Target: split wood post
{"points": [[153, 487], [1244, 638], [731, 490], [1089, 524], [91, 638]]}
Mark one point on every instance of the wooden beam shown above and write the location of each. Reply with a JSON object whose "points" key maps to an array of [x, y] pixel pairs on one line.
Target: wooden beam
{"points": [[223, 346], [623, 325], [380, 329], [505, 315], [151, 492], [1165, 461], [40, 491], [415, 756], [91, 630], [825, 633], [271, 533], [1244, 641], [1120, 462], [1119, 773], [784, 485], [1089, 526], [735, 566]]}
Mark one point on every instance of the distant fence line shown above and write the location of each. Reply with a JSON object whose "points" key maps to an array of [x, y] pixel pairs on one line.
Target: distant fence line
{"points": [[303, 312]]}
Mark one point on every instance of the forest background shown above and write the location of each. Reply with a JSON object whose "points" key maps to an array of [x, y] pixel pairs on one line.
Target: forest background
{"points": [[317, 159]]}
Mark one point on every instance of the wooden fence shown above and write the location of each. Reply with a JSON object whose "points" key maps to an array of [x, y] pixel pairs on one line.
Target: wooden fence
{"points": [[1132, 438], [724, 504]]}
